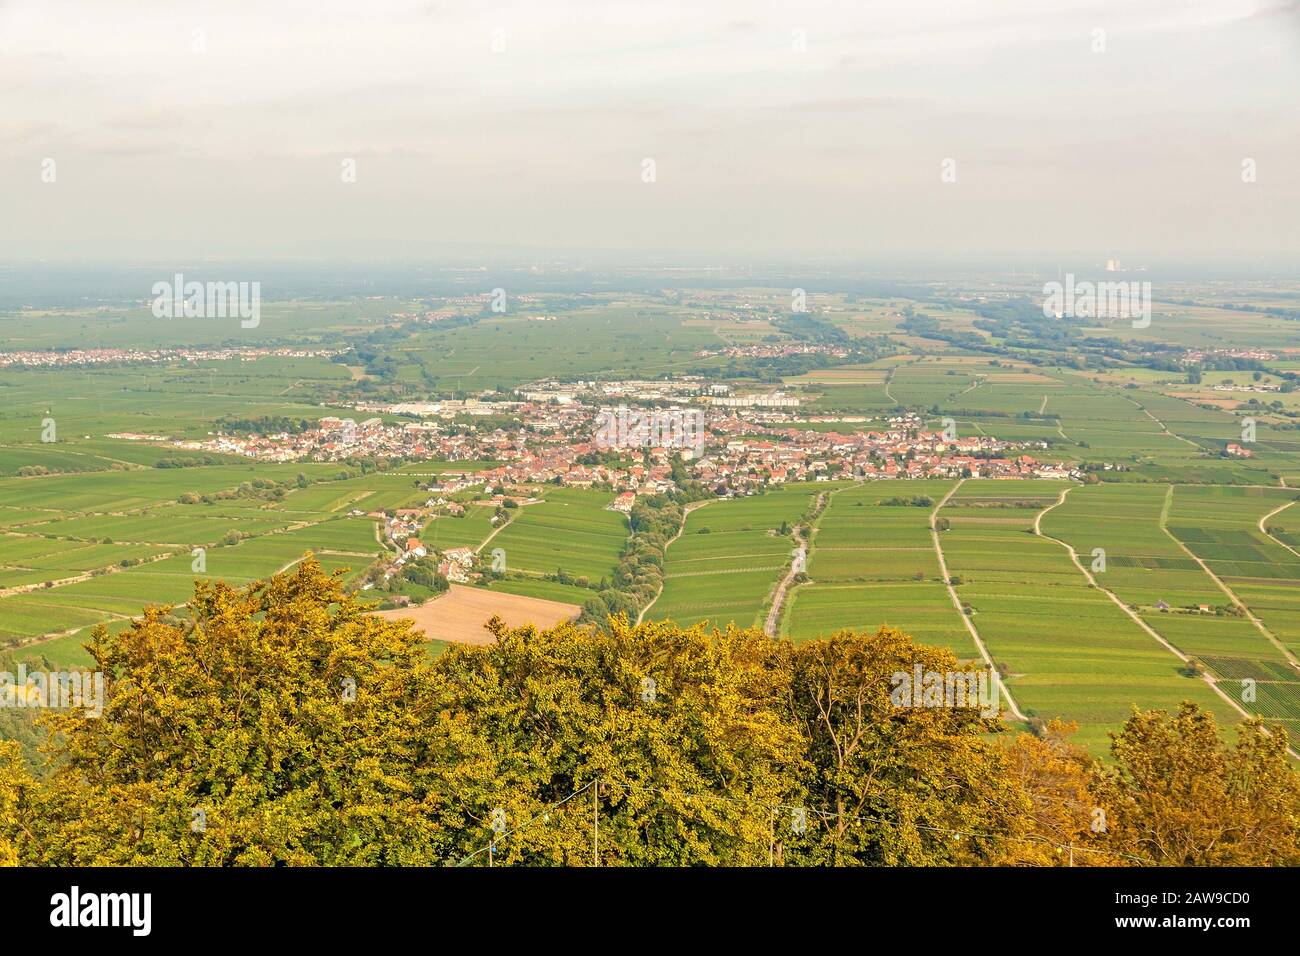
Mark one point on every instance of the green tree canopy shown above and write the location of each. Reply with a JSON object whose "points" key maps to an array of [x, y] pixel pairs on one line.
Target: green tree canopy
{"points": [[285, 724]]}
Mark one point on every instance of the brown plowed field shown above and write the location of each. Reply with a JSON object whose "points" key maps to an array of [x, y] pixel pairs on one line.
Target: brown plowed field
{"points": [[459, 615]]}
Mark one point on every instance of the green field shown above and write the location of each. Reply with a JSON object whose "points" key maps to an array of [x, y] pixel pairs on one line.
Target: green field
{"points": [[872, 565], [107, 532], [121, 540], [1221, 527], [730, 556], [1068, 651], [570, 529]]}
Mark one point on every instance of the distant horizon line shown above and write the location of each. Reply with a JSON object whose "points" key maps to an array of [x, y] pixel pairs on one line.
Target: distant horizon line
{"points": [[759, 270]]}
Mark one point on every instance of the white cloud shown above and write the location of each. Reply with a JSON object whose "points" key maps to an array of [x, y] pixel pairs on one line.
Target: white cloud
{"points": [[761, 149]]}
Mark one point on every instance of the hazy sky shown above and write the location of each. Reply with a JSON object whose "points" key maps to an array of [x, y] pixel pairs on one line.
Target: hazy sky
{"points": [[221, 128]]}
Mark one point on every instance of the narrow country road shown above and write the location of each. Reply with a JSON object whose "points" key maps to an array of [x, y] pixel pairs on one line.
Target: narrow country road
{"points": [[1228, 592], [1264, 531], [778, 599], [1137, 619], [956, 602]]}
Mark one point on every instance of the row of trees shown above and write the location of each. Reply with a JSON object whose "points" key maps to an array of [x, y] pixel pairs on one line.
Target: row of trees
{"points": [[285, 725], [640, 574]]}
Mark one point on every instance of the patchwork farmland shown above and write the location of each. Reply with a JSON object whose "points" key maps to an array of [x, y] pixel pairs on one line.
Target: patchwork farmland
{"points": [[570, 529], [1221, 527], [124, 539], [1197, 591], [873, 563], [729, 558]]}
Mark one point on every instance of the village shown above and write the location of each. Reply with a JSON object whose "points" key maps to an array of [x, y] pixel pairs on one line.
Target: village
{"points": [[61, 358], [548, 433], [553, 433]]}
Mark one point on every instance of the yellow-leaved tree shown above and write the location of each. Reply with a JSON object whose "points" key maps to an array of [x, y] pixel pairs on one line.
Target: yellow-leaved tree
{"points": [[281, 723], [1179, 796]]}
